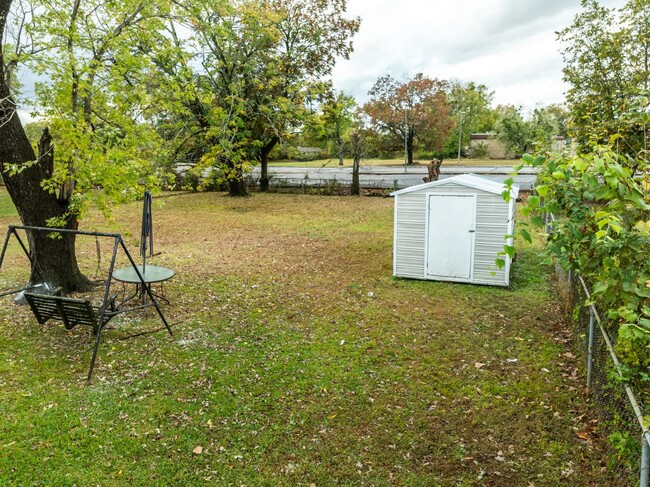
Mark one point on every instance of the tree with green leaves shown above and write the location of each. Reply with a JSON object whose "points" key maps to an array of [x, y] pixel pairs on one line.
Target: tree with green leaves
{"points": [[329, 123], [560, 116], [536, 132], [337, 117], [599, 196], [314, 34], [602, 231], [95, 147], [412, 112], [607, 58], [545, 125], [514, 130], [261, 62], [470, 110], [217, 99]]}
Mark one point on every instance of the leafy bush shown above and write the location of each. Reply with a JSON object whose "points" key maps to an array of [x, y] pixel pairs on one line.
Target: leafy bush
{"points": [[479, 151], [190, 181], [601, 201]]}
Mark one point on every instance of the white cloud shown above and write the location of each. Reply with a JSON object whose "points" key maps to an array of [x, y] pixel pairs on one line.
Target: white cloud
{"points": [[508, 45]]}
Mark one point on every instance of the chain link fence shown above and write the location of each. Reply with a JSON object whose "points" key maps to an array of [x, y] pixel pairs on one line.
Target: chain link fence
{"points": [[614, 404]]}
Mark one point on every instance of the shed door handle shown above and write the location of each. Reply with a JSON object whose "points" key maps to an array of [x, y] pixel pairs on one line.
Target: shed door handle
{"points": [[472, 231]]}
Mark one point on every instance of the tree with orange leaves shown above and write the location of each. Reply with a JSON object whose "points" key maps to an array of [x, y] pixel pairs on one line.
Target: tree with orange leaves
{"points": [[415, 112]]}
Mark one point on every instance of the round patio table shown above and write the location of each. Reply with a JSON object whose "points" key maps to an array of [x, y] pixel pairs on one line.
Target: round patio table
{"points": [[151, 274]]}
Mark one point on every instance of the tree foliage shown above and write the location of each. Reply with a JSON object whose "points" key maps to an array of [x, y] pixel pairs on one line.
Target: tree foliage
{"points": [[535, 132], [600, 197], [121, 84], [470, 110], [514, 130], [601, 201], [606, 54], [260, 63], [415, 112], [603, 231], [93, 97], [336, 118]]}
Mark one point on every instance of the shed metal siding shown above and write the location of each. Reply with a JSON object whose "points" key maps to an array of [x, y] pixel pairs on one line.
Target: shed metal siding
{"points": [[410, 235], [492, 224]]}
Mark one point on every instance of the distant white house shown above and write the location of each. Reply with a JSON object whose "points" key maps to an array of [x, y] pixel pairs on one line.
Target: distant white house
{"points": [[453, 230]]}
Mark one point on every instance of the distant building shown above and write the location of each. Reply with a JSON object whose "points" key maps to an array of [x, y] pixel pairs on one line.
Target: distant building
{"points": [[487, 146], [560, 144]]}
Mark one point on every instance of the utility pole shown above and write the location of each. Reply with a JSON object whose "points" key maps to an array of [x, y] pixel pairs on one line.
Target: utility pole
{"points": [[460, 133], [406, 127]]}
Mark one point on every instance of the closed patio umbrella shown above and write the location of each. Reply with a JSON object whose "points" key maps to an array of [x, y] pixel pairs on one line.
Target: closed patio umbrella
{"points": [[146, 233]]}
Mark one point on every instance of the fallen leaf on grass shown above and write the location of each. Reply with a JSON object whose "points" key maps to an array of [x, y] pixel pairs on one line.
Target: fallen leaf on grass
{"points": [[479, 365], [198, 450]]}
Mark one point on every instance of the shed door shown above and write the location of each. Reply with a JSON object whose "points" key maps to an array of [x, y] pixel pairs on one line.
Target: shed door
{"points": [[451, 229]]}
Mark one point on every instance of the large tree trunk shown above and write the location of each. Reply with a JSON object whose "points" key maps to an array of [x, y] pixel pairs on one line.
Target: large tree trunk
{"points": [[237, 188], [357, 144], [355, 175], [409, 150], [340, 143], [237, 184], [56, 259], [264, 164]]}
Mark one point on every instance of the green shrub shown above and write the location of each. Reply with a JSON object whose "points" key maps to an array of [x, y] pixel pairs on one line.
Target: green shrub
{"points": [[479, 151], [601, 202]]}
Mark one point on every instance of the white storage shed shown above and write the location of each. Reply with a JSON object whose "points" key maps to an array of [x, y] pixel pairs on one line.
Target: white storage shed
{"points": [[453, 230]]}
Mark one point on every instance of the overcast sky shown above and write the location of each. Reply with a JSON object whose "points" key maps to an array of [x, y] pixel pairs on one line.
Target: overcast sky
{"points": [[508, 45]]}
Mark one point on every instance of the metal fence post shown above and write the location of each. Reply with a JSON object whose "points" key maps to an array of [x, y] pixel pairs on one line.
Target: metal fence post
{"points": [[645, 461], [590, 355]]}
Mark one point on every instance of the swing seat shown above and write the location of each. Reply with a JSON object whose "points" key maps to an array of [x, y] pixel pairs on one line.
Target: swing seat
{"points": [[70, 311]]}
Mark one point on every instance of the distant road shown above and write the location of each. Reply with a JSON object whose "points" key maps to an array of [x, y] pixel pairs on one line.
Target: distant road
{"points": [[387, 177]]}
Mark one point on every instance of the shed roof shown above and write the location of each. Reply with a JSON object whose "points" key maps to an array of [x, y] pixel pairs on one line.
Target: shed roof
{"points": [[469, 180]]}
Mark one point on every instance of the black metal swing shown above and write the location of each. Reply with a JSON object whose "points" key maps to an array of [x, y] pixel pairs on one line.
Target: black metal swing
{"points": [[72, 311]]}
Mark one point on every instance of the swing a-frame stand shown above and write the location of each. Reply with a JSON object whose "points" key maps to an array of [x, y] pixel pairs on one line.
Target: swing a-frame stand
{"points": [[76, 311]]}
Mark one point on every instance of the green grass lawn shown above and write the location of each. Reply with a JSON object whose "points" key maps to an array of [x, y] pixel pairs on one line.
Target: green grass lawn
{"points": [[297, 360], [395, 162], [7, 208]]}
